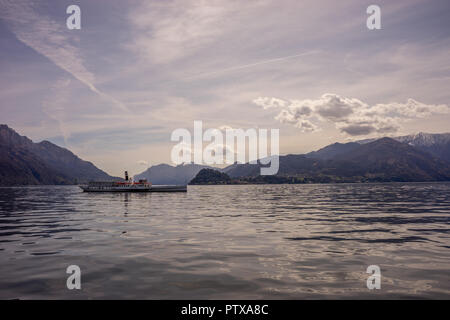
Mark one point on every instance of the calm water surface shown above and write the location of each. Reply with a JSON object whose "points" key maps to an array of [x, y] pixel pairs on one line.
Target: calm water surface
{"points": [[237, 242]]}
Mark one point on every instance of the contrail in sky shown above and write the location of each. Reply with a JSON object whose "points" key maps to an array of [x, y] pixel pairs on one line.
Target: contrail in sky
{"points": [[251, 64], [44, 35]]}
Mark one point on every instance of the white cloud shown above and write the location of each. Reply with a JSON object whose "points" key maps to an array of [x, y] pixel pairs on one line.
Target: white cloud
{"points": [[351, 116], [268, 103]]}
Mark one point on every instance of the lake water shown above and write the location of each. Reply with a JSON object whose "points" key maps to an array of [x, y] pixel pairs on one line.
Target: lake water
{"points": [[227, 242]]}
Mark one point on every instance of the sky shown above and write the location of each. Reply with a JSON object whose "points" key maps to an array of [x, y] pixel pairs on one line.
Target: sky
{"points": [[114, 91]]}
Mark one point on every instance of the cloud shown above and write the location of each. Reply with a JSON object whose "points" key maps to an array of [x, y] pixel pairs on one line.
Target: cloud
{"points": [[268, 103], [225, 127], [167, 31], [49, 38], [53, 106], [143, 163], [350, 115]]}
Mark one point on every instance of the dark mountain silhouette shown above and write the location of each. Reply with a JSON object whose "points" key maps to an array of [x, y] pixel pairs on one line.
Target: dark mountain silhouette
{"points": [[24, 162], [291, 164], [381, 160], [438, 144], [19, 166], [332, 150], [418, 157], [388, 159], [434, 143], [167, 174], [210, 176]]}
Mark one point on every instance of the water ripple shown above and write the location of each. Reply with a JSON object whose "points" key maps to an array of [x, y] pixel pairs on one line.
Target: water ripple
{"points": [[249, 242]]}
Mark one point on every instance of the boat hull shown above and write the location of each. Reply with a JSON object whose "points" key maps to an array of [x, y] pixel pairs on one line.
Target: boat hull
{"points": [[168, 188], [151, 189]]}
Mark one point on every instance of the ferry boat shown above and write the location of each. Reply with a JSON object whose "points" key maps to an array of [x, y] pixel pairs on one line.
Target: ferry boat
{"points": [[142, 185]]}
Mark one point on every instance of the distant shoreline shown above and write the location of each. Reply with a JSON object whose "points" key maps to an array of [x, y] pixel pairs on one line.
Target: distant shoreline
{"points": [[253, 184], [310, 183]]}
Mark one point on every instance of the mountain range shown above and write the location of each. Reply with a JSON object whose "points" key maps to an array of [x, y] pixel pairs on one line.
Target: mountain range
{"points": [[23, 162], [437, 144], [419, 157], [167, 174]]}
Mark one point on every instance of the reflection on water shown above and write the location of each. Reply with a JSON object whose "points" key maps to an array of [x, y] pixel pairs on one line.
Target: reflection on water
{"points": [[264, 241]]}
